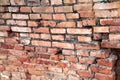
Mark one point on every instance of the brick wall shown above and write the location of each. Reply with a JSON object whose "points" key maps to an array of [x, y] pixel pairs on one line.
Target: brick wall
{"points": [[59, 39]]}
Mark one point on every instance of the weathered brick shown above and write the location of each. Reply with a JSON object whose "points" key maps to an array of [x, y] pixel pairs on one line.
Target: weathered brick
{"points": [[102, 29], [114, 28], [86, 14], [79, 66], [21, 23], [4, 28], [53, 50], [42, 9], [11, 40], [105, 77], [68, 52], [71, 59], [4, 34], [84, 39], [72, 16], [63, 45], [59, 17], [20, 16], [79, 31], [69, 1], [33, 35], [56, 2], [35, 16], [84, 73], [113, 22], [58, 31], [5, 15], [84, 0], [115, 5], [87, 60], [83, 53], [46, 16], [41, 43], [58, 37], [63, 9], [100, 53], [21, 29], [90, 46], [4, 2], [66, 24], [17, 2], [33, 24], [13, 9], [114, 37], [83, 7], [41, 30], [45, 36], [48, 23]]}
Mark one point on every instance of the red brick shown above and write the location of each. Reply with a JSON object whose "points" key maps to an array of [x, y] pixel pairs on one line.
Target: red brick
{"points": [[87, 60], [45, 36], [59, 17], [35, 16], [86, 14], [69, 1], [110, 44], [84, 73], [41, 43], [4, 34], [55, 69], [83, 53], [68, 52], [6, 28], [83, 7], [72, 16], [90, 46], [58, 31], [32, 24], [29, 48], [100, 29], [114, 37], [58, 37], [40, 49], [55, 57], [63, 9], [20, 16], [66, 24], [100, 76], [84, 39], [21, 23], [56, 2], [48, 23], [114, 28], [21, 29], [72, 59], [2, 68], [100, 53], [62, 64], [25, 9], [18, 47], [6, 15], [44, 56], [46, 16], [102, 70], [113, 22], [79, 31], [42, 9], [106, 62], [84, 0], [63, 45], [17, 2], [41, 30], [115, 5]]}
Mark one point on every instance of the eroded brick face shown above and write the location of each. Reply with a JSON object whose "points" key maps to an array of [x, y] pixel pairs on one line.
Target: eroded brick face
{"points": [[58, 39]]}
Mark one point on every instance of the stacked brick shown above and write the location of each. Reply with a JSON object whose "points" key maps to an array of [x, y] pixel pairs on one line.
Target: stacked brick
{"points": [[58, 39]]}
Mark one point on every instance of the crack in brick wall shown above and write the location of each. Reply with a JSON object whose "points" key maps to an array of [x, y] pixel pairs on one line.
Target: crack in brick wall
{"points": [[59, 39]]}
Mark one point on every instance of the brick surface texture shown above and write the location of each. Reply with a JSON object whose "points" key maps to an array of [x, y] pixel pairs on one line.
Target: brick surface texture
{"points": [[58, 39]]}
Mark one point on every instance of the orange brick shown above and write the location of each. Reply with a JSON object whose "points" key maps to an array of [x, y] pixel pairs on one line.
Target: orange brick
{"points": [[59, 17], [66, 24], [100, 29]]}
